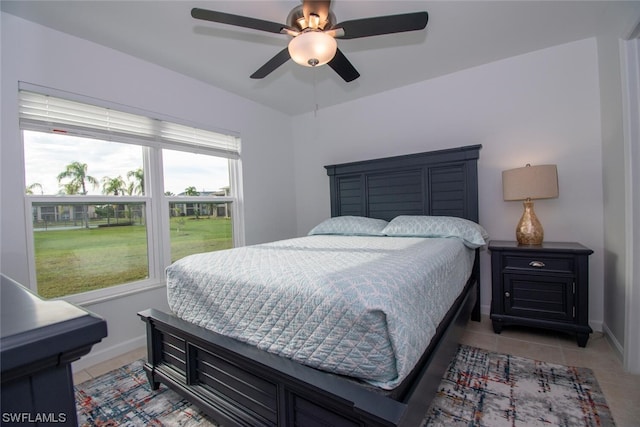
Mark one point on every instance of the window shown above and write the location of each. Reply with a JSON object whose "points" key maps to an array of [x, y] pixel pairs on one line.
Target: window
{"points": [[203, 223], [115, 197]]}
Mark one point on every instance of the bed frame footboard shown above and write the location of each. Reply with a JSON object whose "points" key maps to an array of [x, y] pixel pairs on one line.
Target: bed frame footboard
{"points": [[239, 385]]}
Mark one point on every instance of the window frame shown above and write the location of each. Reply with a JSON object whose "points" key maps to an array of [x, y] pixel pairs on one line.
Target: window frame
{"points": [[155, 202]]}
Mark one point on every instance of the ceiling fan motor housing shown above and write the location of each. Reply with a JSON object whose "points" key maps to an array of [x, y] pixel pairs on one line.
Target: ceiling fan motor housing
{"points": [[297, 19]]}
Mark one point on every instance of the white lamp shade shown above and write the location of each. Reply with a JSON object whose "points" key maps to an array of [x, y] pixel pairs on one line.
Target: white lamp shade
{"points": [[530, 182], [312, 48]]}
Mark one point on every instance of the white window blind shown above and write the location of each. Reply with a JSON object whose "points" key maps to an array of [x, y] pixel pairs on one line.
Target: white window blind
{"points": [[50, 113]]}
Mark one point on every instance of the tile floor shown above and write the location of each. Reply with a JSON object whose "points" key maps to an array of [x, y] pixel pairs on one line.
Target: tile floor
{"points": [[621, 389]]}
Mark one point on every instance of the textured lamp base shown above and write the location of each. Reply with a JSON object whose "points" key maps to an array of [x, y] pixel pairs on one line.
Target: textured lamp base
{"points": [[529, 230]]}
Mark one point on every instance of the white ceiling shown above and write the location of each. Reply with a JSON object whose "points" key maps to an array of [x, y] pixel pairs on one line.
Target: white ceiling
{"points": [[459, 35]]}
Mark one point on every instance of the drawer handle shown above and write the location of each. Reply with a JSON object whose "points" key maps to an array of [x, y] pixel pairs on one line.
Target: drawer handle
{"points": [[537, 264], [507, 294]]}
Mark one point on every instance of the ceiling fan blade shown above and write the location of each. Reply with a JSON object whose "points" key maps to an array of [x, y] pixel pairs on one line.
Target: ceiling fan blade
{"points": [[343, 67], [380, 25], [282, 57], [237, 20]]}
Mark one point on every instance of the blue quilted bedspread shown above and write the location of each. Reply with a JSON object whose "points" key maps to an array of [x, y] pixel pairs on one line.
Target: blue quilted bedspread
{"points": [[360, 306]]}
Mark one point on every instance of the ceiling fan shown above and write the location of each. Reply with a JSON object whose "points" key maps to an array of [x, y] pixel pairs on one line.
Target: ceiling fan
{"points": [[314, 30]]}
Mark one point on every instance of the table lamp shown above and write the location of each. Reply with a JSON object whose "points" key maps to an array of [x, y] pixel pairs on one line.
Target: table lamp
{"points": [[529, 183]]}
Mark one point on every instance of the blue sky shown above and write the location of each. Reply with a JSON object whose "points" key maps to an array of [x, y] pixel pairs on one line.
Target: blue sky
{"points": [[46, 156]]}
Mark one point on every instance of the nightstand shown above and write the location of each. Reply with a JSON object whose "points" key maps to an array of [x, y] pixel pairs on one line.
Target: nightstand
{"points": [[545, 286]]}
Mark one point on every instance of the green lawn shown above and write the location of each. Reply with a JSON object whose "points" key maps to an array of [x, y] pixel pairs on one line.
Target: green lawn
{"points": [[70, 261]]}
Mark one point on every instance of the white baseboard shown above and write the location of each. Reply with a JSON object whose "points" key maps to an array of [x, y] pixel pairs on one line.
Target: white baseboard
{"points": [[617, 347], [485, 309], [596, 325], [95, 357]]}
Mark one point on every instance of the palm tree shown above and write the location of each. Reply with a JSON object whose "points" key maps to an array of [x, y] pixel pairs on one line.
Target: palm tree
{"points": [[70, 189], [77, 172], [32, 187], [115, 186], [137, 184], [191, 191]]}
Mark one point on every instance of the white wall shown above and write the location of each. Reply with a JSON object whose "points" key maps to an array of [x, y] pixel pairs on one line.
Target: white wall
{"points": [[542, 107], [613, 157], [630, 53], [38, 55]]}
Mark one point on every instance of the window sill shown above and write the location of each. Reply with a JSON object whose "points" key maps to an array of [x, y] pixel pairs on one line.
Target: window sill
{"points": [[112, 293]]}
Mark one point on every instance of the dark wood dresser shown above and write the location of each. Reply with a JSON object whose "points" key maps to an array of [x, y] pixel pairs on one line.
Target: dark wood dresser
{"points": [[543, 286], [39, 340]]}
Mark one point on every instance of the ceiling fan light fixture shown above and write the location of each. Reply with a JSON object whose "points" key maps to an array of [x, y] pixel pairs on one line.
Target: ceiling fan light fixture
{"points": [[312, 48]]}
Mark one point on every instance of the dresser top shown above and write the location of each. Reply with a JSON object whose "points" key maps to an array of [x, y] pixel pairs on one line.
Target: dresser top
{"points": [[33, 329], [572, 247]]}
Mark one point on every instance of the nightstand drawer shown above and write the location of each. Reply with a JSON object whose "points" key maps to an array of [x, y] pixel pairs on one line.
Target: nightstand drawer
{"points": [[539, 263]]}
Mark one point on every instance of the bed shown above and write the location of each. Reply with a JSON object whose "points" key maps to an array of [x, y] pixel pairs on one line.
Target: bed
{"points": [[207, 348]]}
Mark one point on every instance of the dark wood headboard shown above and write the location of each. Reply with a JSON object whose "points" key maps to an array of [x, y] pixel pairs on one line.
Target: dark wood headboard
{"points": [[443, 182]]}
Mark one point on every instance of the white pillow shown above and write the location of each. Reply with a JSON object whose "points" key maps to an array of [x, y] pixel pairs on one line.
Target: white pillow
{"points": [[473, 235], [350, 226]]}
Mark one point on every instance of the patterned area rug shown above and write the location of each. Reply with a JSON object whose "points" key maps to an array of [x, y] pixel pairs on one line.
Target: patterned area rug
{"points": [[480, 388]]}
